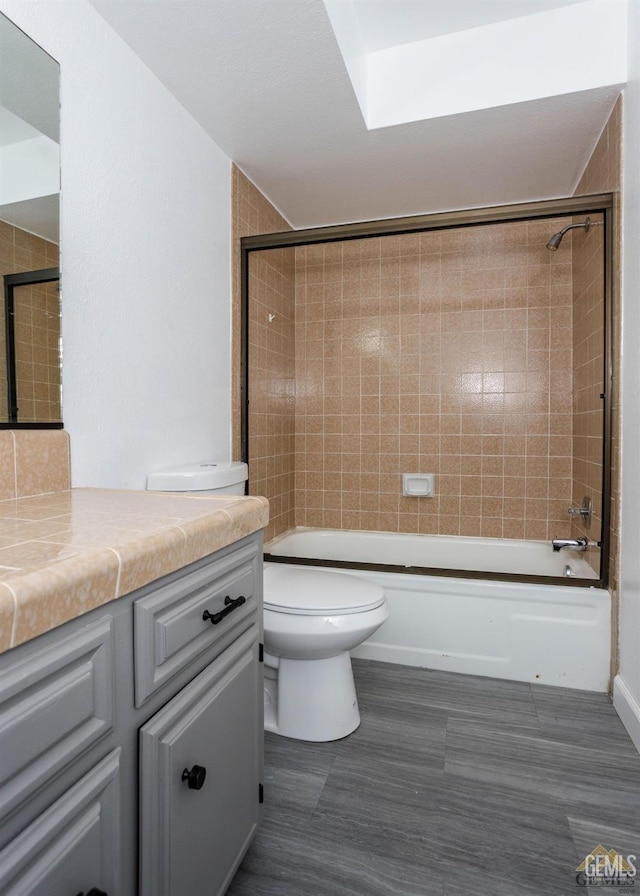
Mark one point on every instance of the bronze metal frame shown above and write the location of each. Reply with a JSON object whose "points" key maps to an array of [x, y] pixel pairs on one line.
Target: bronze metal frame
{"points": [[528, 211], [11, 282]]}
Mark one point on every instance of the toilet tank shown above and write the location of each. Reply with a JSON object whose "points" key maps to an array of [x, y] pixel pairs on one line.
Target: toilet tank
{"points": [[207, 478]]}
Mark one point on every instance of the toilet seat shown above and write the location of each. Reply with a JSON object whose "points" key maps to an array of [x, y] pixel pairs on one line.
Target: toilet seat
{"points": [[312, 592]]}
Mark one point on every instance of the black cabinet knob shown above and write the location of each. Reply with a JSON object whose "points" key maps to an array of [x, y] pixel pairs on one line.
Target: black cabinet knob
{"points": [[94, 892], [195, 777]]}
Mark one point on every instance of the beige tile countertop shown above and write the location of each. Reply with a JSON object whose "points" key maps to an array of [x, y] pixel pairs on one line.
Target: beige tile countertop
{"points": [[65, 553]]}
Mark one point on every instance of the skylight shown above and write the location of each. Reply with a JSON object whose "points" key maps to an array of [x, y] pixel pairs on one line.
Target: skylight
{"points": [[551, 47]]}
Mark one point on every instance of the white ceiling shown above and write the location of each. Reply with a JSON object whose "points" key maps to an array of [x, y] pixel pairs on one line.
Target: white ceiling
{"points": [[29, 80], [266, 79], [14, 129], [40, 216], [386, 24]]}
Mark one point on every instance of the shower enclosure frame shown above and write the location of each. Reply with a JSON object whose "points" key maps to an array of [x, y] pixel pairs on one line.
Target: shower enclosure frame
{"points": [[600, 203], [11, 283]]}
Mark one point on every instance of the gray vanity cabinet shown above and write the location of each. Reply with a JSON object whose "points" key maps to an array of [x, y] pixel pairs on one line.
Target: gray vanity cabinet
{"points": [[131, 739]]}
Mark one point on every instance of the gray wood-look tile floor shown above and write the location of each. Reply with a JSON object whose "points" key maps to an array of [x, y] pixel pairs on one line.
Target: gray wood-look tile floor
{"points": [[451, 785]]}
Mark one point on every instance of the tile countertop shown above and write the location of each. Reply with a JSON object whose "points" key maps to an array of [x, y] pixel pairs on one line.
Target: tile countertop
{"points": [[65, 553]]}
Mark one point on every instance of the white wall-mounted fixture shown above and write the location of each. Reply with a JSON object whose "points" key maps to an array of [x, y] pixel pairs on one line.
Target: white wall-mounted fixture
{"points": [[418, 485]]}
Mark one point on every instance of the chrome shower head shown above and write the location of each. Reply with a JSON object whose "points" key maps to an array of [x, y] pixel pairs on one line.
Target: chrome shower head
{"points": [[556, 239]]}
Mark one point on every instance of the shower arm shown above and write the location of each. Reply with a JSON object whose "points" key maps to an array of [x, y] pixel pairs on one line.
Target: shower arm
{"points": [[556, 239]]}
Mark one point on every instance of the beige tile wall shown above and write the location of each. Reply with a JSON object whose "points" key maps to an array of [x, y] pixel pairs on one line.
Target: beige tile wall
{"points": [[445, 352], [272, 384], [271, 423], [37, 352], [37, 328]]}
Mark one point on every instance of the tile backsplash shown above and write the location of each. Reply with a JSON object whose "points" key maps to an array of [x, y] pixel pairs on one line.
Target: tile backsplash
{"points": [[34, 462]]}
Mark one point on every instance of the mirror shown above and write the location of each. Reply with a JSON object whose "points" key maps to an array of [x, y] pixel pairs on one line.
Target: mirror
{"points": [[30, 383]]}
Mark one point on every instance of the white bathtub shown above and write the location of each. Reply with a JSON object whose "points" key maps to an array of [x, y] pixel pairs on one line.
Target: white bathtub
{"points": [[499, 555], [523, 631]]}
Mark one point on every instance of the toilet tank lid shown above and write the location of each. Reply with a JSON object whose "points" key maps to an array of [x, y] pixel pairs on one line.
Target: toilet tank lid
{"points": [[198, 477]]}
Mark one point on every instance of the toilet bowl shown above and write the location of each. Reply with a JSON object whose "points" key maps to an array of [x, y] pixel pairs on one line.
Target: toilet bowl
{"points": [[312, 619]]}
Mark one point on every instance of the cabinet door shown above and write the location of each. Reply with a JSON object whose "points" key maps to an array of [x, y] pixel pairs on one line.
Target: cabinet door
{"points": [[194, 826], [74, 845]]}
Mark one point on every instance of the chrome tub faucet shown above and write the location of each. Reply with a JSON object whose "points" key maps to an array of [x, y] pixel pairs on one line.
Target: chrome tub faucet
{"points": [[572, 544]]}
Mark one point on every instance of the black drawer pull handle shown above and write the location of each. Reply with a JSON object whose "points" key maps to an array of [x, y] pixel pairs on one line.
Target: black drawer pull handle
{"points": [[194, 778], [230, 605], [94, 892]]}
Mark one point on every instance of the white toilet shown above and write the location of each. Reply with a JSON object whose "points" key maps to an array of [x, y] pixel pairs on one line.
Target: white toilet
{"points": [[312, 619], [213, 477]]}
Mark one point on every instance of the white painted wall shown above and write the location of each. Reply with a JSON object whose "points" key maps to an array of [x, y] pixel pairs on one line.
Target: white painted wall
{"points": [[627, 683], [145, 258]]}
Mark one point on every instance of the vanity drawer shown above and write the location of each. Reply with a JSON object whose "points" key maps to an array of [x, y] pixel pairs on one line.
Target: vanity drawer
{"points": [[184, 618], [55, 703]]}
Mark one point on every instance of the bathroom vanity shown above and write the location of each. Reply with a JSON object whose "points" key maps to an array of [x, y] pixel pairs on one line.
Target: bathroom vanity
{"points": [[130, 733]]}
